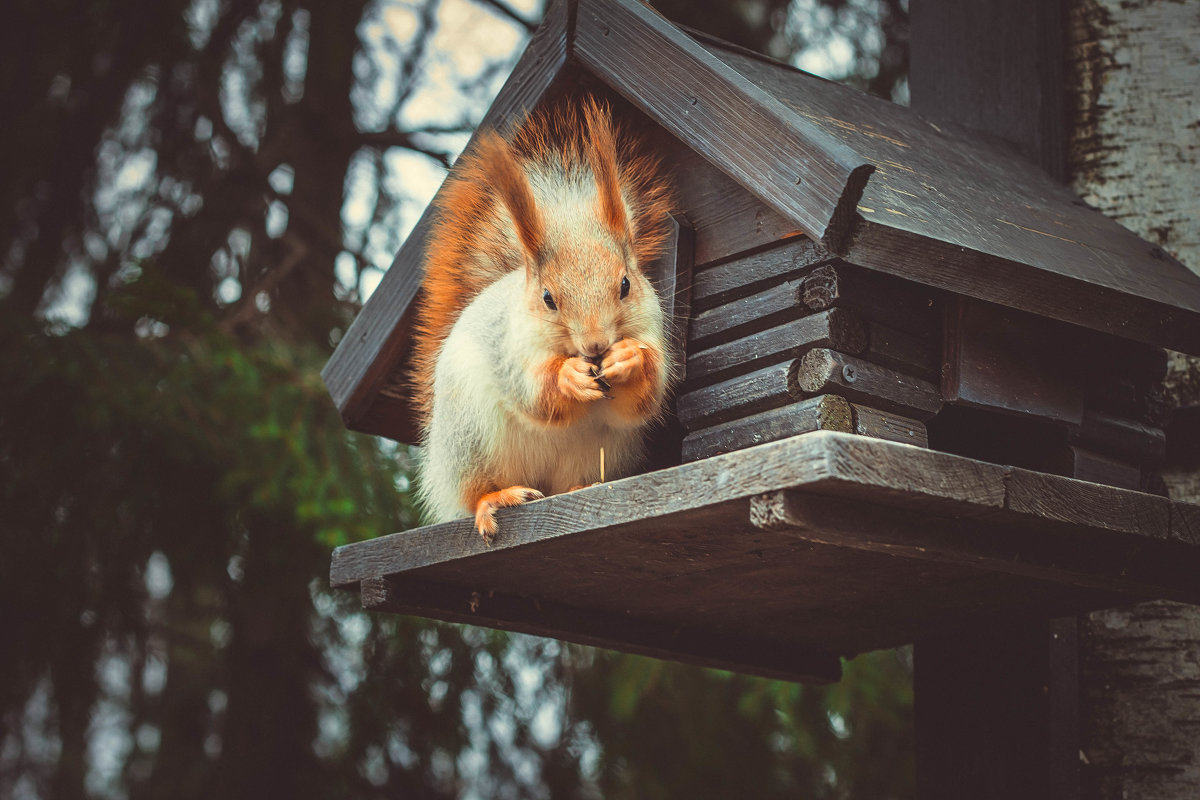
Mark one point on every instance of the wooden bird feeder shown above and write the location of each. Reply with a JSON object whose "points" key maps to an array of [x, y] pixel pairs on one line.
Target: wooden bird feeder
{"points": [[921, 385]]}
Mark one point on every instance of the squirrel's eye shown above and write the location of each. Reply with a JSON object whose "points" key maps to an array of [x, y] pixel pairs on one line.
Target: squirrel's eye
{"points": [[548, 299], [624, 287]]}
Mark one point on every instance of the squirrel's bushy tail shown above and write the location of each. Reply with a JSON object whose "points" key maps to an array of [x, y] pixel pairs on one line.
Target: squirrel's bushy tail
{"points": [[488, 220]]}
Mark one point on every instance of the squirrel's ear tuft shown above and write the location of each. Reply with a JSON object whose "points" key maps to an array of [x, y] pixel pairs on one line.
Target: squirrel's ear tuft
{"points": [[602, 156], [511, 184]]}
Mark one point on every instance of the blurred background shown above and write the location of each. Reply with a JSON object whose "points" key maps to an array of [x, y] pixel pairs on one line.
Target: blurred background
{"points": [[197, 197]]}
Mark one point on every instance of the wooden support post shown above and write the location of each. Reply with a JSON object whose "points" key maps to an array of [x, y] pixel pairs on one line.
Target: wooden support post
{"points": [[997, 708]]}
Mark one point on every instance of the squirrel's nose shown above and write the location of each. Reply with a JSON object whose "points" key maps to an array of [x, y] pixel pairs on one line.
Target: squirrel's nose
{"points": [[594, 347]]}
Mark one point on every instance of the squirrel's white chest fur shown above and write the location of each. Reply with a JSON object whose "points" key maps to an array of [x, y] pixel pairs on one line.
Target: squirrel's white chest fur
{"points": [[486, 378]]}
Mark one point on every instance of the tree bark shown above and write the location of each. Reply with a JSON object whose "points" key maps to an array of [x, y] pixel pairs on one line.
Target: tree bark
{"points": [[1135, 72]]}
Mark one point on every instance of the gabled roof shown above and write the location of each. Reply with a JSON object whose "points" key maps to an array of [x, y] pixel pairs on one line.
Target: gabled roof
{"points": [[875, 182]]}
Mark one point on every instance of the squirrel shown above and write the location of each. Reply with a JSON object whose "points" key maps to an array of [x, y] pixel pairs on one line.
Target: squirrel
{"points": [[539, 339]]}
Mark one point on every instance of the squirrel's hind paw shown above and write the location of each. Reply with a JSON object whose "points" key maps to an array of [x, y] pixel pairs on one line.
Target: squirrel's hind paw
{"points": [[485, 508]]}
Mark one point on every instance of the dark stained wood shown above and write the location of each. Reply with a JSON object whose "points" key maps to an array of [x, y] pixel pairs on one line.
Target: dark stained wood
{"points": [[950, 266], [825, 413], [737, 397], [837, 328], [898, 304], [735, 124], [1021, 61], [997, 708], [727, 219], [884, 425], [911, 354], [822, 371], [1005, 360], [926, 543], [1127, 438], [671, 276], [1185, 523], [1054, 499], [400, 594], [753, 272], [1088, 465], [943, 208], [983, 710], [958, 211], [1183, 436], [746, 315], [378, 339], [898, 532]]}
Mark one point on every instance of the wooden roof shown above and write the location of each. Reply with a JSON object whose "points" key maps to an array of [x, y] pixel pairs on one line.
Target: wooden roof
{"points": [[875, 182], [794, 553]]}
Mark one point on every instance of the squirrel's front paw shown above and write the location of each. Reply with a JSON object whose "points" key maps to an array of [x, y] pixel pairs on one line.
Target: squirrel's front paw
{"points": [[577, 381], [624, 361]]}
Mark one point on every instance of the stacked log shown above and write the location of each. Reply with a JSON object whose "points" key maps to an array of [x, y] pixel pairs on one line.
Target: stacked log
{"points": [[791, 340]]}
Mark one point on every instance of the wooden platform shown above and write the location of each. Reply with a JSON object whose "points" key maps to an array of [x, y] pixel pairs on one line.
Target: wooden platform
{"points": [[778, 559]]}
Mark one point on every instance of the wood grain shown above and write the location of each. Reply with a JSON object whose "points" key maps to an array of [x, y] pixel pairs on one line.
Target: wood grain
{"points": [[753, 272], [824, 413], [884, 425], [837, 328], [741, 396], [959, 211], [900, 305], [1004, 360], [689, 549], [403, 595], [736, 125], [905, 533], [821, 371], [1126, 438]]}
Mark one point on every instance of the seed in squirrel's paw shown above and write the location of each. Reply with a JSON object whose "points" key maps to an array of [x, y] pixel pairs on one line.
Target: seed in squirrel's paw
{"points": [[602, 384]]}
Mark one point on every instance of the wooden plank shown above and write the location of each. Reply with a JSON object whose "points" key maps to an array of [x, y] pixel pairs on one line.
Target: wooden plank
{"points": [[404, 595], [900, 305], [753, 272], [984, 727], [1058, 500], [746, 315], [1012, 283], [824, 413], [1183, 436], [909, 533], [1005, 360], [737, 126], [728, 220], [920, 356], [1080, 462], [932, 213], [677, 549], [671, 276], [832, 463], [822, 371], [884, 425], [1021, 60], [376, 341], [742, 396], [837, 328], [1127, 438], [1185, 523]]}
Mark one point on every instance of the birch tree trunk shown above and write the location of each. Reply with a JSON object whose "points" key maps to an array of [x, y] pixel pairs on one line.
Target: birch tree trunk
{"points": [[1135, 155]]}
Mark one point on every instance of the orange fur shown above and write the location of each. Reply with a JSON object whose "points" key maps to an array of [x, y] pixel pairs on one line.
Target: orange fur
{"points": [[636, 398], [486, 225], [486, 506]]}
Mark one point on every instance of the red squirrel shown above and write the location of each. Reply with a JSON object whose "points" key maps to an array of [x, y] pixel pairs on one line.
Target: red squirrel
{"points": [[540, 339]]}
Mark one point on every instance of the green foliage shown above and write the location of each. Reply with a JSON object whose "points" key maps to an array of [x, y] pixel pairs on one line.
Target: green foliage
{"points": [[670, 730]]}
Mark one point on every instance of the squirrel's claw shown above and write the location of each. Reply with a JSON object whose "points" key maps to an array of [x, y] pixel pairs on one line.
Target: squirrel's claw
{"points": [[623, 361], [485, 508], [577, 380]]}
